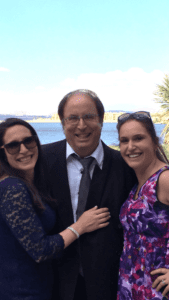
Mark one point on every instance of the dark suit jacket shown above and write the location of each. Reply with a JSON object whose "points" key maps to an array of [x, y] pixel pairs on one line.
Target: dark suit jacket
{"points": [[101, 249]]}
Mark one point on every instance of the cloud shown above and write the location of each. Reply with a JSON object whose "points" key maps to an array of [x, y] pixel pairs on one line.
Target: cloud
{"points": [[39, 87], [130, 90], [4, 69]]}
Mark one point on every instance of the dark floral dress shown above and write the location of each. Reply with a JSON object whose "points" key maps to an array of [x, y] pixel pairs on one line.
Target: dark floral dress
{"points": [[146, 242]]}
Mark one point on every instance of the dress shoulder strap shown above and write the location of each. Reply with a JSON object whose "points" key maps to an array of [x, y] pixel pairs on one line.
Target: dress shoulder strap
{"points": [[162, 170]]}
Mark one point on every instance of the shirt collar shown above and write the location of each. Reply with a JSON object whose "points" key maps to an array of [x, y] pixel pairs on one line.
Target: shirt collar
{"points": [[98, 154]]}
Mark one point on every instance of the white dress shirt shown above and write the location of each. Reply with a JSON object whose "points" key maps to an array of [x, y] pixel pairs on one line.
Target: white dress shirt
{"points": [[75, 168]]}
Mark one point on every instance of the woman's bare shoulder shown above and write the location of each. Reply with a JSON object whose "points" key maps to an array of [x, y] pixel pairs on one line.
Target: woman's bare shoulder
{"points": [[163, 187], [164, 178]]}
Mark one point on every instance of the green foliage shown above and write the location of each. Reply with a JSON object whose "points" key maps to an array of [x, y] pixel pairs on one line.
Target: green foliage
{"points": [[166, 150], [162, 93], [162, 96], [115, 147]]}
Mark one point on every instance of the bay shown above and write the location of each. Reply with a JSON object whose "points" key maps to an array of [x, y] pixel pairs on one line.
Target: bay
{"points": [[53, 132]]}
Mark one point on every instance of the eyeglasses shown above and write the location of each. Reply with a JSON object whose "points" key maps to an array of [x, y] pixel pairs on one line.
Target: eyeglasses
{"points": [[138, 115], [88, 118], [14, 147]]}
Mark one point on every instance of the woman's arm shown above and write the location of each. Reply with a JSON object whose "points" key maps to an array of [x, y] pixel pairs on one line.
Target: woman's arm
{"points": [[163, 187], [19, 215], [163, 196]]}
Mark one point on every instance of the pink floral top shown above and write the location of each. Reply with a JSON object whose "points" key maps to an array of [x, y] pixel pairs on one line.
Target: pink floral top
{"points": [[146, 242]]}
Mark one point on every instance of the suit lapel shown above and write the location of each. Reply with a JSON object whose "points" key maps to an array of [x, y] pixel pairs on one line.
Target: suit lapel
{"points": [[99, 181], [60, 185]]}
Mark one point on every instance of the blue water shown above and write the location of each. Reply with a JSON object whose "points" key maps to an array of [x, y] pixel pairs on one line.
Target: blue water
{"points": [[52, 132]]}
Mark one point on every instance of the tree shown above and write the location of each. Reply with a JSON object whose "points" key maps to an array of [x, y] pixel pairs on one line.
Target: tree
{"points": [[162, 93], [162, 96]]}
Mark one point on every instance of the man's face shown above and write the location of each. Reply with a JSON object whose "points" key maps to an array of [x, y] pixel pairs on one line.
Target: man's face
{"points": [[84, 136]]}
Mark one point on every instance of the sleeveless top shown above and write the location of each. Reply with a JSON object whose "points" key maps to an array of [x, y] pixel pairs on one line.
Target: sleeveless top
{"points": [[145, 221]]}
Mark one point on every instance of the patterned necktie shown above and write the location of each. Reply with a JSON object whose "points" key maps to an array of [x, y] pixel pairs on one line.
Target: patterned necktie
{"points": [[84, 184]]}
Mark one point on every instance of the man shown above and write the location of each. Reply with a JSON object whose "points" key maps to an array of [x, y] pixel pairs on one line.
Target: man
{"points": [[89, 267]]}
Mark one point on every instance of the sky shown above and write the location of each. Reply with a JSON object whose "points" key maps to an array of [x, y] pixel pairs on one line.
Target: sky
{"points": [[118, 49]]}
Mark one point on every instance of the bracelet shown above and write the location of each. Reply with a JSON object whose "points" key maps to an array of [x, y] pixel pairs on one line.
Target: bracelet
{"points": [[74, 231]]}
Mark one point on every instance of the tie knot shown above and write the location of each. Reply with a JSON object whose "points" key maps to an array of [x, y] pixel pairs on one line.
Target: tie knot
{"points": [[86, 162]]}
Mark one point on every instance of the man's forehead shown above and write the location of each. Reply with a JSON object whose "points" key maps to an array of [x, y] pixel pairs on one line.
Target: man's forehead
{"points": [[80, 104], [80, 96], [78, 100]]}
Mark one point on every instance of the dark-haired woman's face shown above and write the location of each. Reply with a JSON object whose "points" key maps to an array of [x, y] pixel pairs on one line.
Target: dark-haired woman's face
{"points": [[136, 145], [25, 160]]}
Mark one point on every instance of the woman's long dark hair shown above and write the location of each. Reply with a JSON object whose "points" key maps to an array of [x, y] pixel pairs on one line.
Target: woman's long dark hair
{"points": [[38, 189]]}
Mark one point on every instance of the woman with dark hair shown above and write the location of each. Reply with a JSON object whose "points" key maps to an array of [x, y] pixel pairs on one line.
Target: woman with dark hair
{"points": [[144, 263], [27, 217]]}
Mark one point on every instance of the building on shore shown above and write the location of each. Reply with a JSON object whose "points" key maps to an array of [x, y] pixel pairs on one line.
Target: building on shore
{"points": [[109, 117], [112, 117]]}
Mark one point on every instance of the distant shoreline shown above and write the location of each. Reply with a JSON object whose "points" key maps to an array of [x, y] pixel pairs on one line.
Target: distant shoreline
{"points": [[50, 121], [46, 121], [54, 121]]}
